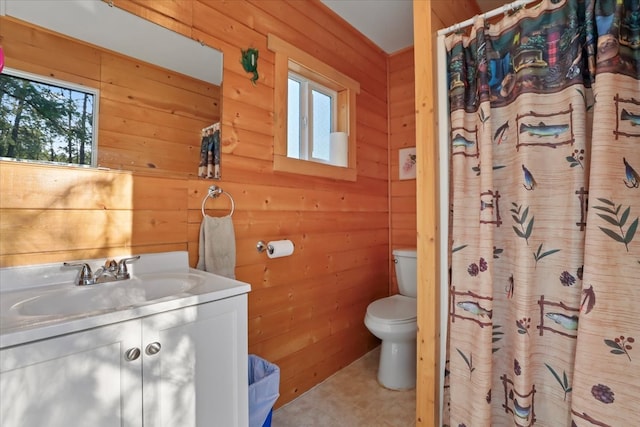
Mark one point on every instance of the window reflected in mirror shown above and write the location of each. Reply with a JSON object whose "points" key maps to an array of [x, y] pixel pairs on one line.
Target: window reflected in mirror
{"points": [[46, 120], [157, 88]]}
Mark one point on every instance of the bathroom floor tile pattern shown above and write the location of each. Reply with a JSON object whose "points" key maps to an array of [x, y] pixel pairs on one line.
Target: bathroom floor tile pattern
{"points": [[350, 398]]}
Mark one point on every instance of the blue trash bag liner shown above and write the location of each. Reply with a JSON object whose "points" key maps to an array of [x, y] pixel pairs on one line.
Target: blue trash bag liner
{"points": [[267, 422], [264, 389]]}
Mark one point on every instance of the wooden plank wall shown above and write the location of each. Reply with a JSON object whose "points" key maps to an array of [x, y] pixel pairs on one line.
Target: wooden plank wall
{"points": [[402, 134], [138, 130], [428, 18], [306, 311]]}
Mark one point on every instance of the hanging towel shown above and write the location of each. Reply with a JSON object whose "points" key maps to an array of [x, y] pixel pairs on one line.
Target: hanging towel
{"points": [[217, 250]]}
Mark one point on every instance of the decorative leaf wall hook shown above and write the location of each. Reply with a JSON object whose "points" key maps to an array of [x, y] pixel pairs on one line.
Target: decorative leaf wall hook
{"points": [[249, 62]]}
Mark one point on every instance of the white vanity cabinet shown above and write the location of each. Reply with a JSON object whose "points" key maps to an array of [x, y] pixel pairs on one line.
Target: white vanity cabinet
{"points": [[183, 367], [199, 375], [73, 380]]}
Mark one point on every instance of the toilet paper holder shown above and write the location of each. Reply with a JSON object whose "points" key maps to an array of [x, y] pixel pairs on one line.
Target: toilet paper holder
{"points": [[276, 249], [261, 246]]}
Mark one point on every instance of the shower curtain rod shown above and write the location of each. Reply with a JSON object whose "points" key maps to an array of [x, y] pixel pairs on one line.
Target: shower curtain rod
{"points": [[504, 9]]}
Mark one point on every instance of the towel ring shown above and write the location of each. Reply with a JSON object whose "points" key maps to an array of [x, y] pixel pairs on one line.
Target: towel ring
{"points": [[214, 192]]}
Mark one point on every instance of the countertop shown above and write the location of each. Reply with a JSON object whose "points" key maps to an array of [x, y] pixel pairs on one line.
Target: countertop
{"points": [[20, 284]]}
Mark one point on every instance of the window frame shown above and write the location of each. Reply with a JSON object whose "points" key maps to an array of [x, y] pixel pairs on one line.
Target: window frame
{"points": [[289, 58]]}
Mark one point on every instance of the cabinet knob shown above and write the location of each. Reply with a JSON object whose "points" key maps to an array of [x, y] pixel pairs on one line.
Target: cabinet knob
{"points": [[132, 354], [153, 348]]}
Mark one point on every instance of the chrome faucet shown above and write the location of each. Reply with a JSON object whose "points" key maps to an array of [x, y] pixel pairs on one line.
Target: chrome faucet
{"points": [[106, 273], [111, 271], [121, 272]]}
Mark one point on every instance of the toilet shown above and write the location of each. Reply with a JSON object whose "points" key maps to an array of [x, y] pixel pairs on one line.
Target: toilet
{"points": [[393, 320]]}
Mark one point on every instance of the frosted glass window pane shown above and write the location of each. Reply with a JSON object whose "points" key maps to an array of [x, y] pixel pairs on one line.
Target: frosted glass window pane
{"points": [[293, 134], [321, 125]]}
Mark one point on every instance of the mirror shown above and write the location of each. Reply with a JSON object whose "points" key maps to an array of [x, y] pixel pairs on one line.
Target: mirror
{"points": [[150, 118]]}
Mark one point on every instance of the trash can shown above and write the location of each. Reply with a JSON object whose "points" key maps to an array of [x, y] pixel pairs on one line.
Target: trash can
{"points": [[264, 390]]}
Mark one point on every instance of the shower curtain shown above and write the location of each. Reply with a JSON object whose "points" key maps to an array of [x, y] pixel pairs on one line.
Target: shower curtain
{"points": [[544, 292]]}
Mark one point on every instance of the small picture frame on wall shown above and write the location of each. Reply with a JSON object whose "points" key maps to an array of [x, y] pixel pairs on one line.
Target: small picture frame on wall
{"points": [[209, 166], [407, 159]]}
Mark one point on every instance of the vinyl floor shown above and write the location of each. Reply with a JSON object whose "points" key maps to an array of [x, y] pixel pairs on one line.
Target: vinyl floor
{"points": [[350, 398]]}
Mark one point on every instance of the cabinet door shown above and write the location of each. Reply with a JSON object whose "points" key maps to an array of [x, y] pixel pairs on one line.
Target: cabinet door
{"points": [[78, 379], [198, 377]]}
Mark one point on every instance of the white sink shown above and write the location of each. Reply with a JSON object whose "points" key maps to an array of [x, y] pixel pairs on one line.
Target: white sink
{"points": [[157, 286], [72, 300], [42, 300]]}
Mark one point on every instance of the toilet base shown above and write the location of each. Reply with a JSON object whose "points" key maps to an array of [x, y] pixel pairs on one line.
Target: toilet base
{"points": [[397, 368]]}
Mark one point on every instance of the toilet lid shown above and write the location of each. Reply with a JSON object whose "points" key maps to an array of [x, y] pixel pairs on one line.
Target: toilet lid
{"points": [[396, 308]]}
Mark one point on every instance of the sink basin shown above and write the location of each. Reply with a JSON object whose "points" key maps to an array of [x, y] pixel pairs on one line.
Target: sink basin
{"points": [[136, 291], [158, 286], [40, 301]]}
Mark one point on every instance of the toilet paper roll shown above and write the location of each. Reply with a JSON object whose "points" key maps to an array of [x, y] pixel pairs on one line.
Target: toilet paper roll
{"points": [[339, 148], [279, 248]]}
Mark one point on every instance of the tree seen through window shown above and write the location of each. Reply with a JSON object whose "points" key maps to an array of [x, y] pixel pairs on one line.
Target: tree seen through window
{"points": [[46, 120]]}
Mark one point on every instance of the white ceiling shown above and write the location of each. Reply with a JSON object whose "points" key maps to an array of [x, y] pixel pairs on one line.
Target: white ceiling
{"points": [[387, 23]]}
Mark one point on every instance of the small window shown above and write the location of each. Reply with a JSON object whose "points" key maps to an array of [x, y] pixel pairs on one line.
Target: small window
{"points": [[46, 120], [315, 115], [312, 111]]}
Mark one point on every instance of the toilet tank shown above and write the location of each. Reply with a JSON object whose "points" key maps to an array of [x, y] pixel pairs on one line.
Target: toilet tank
{"points": [[406, 271]]}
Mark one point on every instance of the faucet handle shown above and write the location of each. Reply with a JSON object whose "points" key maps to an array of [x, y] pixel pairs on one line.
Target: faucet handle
{"points": [[86, 276], [111, 265], [123, 273]]}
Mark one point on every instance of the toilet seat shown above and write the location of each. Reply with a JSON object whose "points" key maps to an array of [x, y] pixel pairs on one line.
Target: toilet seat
{"points": [[393, 310]]}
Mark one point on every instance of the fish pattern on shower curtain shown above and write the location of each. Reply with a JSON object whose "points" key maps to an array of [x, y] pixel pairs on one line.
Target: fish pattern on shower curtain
{"points": [[545, 205]]}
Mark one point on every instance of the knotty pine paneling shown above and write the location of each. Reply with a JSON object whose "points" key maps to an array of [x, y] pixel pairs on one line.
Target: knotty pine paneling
{"points": [[39, 52], [306, 311], [401, 135], [51, 214], [452, 11], [175, 14]]}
